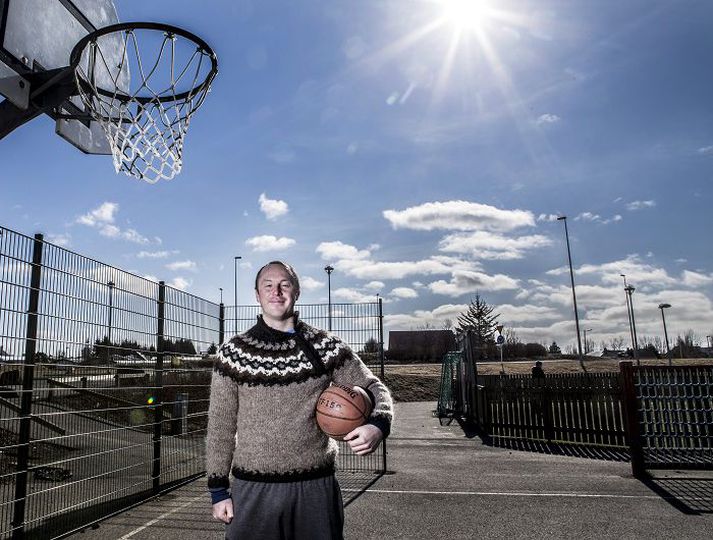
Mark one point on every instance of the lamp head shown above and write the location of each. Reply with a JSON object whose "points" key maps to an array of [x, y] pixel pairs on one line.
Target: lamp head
{"points": [[560, 218], [664, 306]]}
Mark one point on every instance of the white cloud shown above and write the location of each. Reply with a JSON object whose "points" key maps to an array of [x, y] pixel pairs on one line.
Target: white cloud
{"points": [[309, 283], [132, 236], [155, 254], [434, 317], [681, 261], [466, 282], [547, 217], [588, 216], [637, 272], [375, 285], [404, 292], [548, 119], [331, 251], [104, 213], [62, 240], [151, 277], [272, 208], [352, 295], [639, 205], [706, 150], [510, 314], [375, 270], [182, 265], [268, 242], [180, 283], [486, 245], [696, 279], [103, 218], [458, 215]]}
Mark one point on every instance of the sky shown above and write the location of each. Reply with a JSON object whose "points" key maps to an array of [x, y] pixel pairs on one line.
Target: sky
{"points": [[424, 149]]}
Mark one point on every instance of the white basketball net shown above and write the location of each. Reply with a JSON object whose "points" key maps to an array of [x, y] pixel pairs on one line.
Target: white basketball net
{"points": [[145, 107]]}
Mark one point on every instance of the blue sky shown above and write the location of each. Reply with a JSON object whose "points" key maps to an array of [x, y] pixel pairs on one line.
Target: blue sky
{"points": [[424, 153]]}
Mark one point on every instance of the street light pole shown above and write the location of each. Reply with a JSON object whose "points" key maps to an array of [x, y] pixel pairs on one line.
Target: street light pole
{"points": [[574, 294], [628, 311], [586, 347], [329, 269], [709, 339], [629, 291], [665, 333], [235, 291]]}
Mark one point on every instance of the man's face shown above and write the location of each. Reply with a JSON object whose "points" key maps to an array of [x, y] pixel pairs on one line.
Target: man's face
{"points": [[276, 293]]}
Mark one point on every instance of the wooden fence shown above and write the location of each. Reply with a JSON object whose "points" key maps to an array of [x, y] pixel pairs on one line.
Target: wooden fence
{"points": [[572, 408]]}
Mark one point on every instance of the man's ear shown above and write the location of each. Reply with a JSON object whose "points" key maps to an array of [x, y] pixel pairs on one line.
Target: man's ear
{"points": [[257, 296]]}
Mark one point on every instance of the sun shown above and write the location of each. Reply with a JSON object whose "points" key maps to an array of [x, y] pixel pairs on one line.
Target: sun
{"points": [[466, 14]]}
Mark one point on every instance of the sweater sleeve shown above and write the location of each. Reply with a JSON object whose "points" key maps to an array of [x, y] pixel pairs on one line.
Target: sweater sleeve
{"points": [[222, 425], [353, 372]]}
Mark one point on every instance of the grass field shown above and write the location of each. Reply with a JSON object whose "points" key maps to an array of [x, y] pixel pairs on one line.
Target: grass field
{"points": [[420, 382]]}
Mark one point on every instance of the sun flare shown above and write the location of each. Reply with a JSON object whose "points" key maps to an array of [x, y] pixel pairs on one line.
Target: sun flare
{"points": [[466, 14]]}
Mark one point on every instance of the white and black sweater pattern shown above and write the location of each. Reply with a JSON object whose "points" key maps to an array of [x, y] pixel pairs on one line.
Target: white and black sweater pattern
{"points": [[261, 423]]}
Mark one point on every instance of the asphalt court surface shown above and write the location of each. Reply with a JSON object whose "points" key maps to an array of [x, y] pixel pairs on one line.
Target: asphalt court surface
{"points": [[442, 483]]}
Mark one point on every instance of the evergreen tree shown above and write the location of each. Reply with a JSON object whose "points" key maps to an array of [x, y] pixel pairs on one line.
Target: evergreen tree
{"points": [[479, 319]]}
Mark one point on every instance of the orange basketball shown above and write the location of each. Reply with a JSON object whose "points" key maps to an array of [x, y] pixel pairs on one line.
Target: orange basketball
{"points": [[342, 408]]}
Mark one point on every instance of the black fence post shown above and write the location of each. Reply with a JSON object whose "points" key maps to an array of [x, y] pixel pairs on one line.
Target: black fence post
{"points": [[28, 374], [381, 361], [221, 324], [631, 412], [158, 383]]}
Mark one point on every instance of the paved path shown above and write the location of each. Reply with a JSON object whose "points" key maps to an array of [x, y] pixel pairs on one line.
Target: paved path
{"points": [[445, 484]]}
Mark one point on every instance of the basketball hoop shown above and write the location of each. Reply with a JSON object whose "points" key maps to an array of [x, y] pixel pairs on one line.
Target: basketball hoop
{"points": [[142, 82]]}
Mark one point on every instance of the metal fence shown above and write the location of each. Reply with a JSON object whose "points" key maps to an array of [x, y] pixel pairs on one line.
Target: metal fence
{"points": [[670, 412], [662, 415], [574, 408], [105, 383]]}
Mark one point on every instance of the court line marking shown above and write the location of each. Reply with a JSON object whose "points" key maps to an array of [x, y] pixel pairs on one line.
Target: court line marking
{"points": [[159, 518], [523, 494]]}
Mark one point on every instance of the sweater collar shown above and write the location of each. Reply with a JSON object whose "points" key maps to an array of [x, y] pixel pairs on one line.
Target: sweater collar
{"points": [[267, 332]]}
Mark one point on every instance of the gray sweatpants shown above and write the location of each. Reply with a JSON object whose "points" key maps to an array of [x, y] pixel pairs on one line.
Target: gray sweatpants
{"points": [[304, 510]]}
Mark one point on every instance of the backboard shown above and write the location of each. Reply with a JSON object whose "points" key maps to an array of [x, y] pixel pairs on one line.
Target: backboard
{"points": [[37, 36]]}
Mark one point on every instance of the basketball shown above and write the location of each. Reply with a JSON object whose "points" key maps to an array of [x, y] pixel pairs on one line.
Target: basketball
{"points": [[342, 408]]}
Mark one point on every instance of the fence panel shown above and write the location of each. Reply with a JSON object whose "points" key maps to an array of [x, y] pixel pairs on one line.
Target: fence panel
{"points": [[580, 409], [672, 416], [105, 383]]}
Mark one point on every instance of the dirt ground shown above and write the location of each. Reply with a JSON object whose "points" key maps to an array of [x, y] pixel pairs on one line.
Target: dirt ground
{"points": [[420, 382]]}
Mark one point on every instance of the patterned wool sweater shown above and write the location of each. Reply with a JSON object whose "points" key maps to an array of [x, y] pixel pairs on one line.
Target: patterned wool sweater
{"points": [[261, 420]]}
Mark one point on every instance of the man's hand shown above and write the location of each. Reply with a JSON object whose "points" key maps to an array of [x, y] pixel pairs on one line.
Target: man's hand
{"points": [[223, 510], [364, 439]]}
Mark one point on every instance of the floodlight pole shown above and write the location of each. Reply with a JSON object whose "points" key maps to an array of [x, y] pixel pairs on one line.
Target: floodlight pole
{"points": [[630, 291], [665, 333], [329, 269], [235, 291], [574, 294], [586, 348], [628, 311]]}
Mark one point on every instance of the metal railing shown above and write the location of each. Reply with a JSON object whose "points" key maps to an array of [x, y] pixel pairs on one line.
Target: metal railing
{"points": [[105, 384]]}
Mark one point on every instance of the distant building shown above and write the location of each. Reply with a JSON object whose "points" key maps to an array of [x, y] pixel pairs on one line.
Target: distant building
{"points": [[420, 345]]}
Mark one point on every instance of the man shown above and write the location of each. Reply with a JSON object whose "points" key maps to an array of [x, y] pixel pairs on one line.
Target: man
{"points": [[537, 371], [261, 423]]}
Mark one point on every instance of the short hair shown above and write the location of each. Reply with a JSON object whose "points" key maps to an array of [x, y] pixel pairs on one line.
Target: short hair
{"points": [[288, 268]]}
